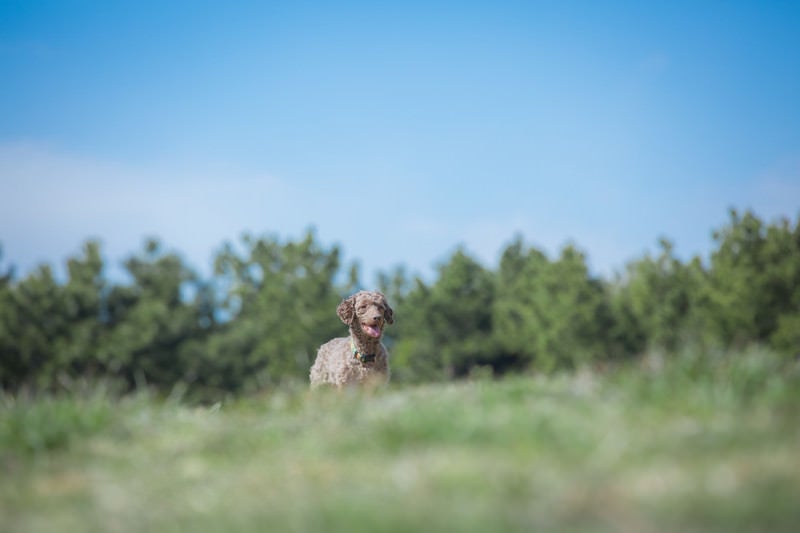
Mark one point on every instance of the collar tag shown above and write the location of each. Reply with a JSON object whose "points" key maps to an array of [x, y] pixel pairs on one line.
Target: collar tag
{"points": [[363, 357]]}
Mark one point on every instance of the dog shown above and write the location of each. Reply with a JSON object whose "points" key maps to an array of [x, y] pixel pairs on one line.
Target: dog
{"points": [[360, 357]]}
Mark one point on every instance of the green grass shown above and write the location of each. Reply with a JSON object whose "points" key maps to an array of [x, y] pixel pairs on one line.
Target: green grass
{"points": [[684, 444]]}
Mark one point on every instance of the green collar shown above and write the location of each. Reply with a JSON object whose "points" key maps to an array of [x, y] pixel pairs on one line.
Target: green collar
{"points": [[363, 357]]}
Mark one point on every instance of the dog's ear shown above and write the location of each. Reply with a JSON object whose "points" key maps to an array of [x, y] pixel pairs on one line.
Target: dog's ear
{"points": [[388, 314], [347, 310]]}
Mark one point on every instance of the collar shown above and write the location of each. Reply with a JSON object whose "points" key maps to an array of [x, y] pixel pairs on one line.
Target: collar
{"points": [[363, 357]]}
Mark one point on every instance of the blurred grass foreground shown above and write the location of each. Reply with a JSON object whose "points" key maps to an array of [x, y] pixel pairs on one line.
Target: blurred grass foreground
{"points": [[692, 442]]}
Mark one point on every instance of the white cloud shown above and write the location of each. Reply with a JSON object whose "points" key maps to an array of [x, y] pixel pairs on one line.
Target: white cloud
{"points": [[487, 236], [50, 202], [776, 191], [602, 244]]}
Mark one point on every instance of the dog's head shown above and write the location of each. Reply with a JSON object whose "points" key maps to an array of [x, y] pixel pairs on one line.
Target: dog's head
{"points": [[366, 312]]}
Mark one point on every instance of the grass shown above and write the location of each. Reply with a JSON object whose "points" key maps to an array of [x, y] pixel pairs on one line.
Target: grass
{"points": [[685, 443]]}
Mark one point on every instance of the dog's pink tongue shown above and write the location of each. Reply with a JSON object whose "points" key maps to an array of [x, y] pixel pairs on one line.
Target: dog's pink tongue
{"points": [[372, 331]]}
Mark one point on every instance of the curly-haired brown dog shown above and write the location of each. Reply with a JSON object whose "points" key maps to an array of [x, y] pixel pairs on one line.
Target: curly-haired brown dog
{"points": [[360, 357]]}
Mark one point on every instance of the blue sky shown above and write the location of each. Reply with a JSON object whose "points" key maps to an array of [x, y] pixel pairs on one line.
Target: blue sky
{"points": [[397, 130]]}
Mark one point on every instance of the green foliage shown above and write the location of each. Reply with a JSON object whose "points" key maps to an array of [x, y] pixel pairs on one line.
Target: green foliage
{"points": [[257, 322], [786, 337], [754, 279], [149, 321], [36, 319], [260, 317], [549, 314], [680, 413], [711, 379], [39, 423], [699, 443], [459, 314], [654, 302], [445, 328], [281, 300]]}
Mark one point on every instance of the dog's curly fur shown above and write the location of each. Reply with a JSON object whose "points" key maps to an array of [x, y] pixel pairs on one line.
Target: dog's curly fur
{"points": [[366, 313]]}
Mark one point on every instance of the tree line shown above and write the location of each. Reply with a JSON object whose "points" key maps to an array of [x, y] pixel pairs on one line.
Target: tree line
{"points": [[259, 318]]}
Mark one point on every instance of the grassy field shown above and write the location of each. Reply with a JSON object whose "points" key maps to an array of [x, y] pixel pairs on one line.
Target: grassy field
{"points": [[691, 444]]}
